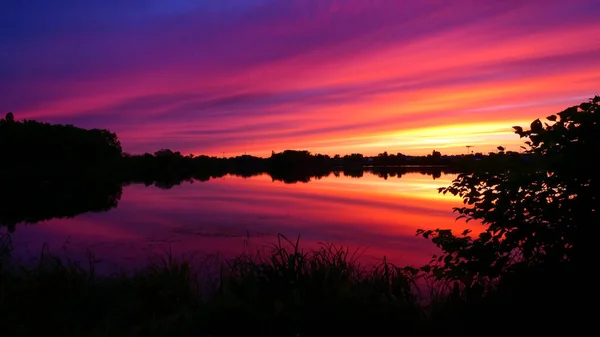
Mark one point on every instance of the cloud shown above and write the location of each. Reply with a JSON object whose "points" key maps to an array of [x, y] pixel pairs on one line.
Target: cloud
{"points": [[236, 76]]}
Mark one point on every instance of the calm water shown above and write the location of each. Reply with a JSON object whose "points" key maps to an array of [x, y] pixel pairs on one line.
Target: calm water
{"points": [[233, 214]]}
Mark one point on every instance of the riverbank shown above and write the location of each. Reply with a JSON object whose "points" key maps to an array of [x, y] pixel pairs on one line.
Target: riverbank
{"points": [[285, 292]]}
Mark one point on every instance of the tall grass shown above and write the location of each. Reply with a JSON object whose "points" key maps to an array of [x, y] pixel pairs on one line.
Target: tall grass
{"points": [[282, 291], [290, 290]]}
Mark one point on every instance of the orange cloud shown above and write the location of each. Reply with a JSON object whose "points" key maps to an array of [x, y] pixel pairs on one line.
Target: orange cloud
{"points": [[335, 77]]}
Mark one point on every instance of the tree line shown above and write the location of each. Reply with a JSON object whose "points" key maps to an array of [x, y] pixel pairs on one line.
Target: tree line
{"points": [[42, 150]]}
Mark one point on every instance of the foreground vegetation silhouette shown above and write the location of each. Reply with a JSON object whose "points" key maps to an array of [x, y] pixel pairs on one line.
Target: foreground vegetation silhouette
{"points": [[539, 214], [522, 275], [538, 219]]}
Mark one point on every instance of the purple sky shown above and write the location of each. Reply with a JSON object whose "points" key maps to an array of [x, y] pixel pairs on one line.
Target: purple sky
{"points": [[331, 76]]}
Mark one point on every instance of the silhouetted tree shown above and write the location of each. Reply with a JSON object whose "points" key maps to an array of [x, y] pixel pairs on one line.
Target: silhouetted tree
{"points": [[42, 148], [536, 214]]}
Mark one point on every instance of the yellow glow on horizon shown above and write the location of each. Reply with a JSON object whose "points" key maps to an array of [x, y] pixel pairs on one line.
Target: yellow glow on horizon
{"points": [[484, 137]]}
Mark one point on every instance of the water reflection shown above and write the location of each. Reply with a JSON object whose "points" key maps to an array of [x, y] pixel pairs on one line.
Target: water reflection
{"points": [[36, 201], [226, 215]]}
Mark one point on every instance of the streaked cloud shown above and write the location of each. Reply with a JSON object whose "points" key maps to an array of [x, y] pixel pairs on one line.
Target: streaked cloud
{"points": [[332, 76]]}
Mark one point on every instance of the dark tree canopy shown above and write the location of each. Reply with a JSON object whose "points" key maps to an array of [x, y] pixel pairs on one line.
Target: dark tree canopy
{"points": [[538, 213], [31, 143], [10, 118]]}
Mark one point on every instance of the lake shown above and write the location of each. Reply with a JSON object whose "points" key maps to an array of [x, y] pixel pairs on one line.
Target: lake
{"points": [[229, 215]]}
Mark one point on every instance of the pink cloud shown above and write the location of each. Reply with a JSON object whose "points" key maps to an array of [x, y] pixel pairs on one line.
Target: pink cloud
{"points": [[328, 76]]}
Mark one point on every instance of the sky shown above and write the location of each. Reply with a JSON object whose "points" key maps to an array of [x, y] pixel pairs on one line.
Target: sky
{"points": [[331, 76]]}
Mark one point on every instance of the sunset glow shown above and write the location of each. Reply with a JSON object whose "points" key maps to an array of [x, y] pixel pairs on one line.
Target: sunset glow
{"points": [[329, 76], [224, 216]]}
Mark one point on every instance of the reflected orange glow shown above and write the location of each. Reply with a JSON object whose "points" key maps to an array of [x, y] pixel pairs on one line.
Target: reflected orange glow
{"points": [[226, 215]]}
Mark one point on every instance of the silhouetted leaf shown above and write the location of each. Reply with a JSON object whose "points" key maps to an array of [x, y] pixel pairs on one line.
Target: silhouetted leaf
{"points": [[586, 106], [536, 126], [518, 129]]}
